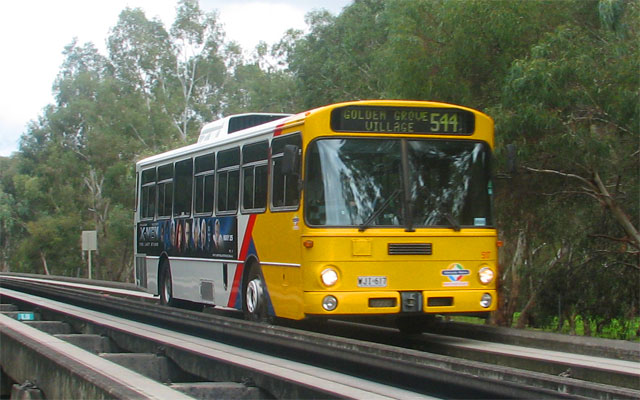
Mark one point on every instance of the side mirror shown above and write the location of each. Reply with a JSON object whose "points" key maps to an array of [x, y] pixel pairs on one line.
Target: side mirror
{"points": [[291, 160]]}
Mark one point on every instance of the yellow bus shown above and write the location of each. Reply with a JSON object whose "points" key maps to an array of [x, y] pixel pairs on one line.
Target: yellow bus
{"points": [[364, 208]]}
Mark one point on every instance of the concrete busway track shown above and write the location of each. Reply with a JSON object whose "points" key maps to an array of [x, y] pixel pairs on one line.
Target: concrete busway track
{"points": [[162, 355], [620, 368], [438, 375]]}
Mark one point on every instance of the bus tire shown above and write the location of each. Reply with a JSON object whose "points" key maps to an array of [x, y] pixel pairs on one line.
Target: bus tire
{"points": [[166, 285], [255, 297]]}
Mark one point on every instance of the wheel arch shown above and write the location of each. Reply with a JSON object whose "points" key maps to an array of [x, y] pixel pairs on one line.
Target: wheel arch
{"points": [[249, 262]]}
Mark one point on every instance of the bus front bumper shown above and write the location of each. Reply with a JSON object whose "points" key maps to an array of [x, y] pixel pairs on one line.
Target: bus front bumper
{"points": [[393, 302]]}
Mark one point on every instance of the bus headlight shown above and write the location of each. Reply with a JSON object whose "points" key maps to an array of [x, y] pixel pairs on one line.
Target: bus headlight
{"points": [[486, 275], [329, 277]]}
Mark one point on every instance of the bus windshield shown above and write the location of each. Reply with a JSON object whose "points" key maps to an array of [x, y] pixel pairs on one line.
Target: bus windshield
{"points": [[361, 182]]}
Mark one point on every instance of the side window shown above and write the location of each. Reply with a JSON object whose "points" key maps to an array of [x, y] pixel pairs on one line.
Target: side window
{"points": [[285, 192], [183, 188], [148, 193], [204, 183], [254, 177], [228, 176], [165, 190]]}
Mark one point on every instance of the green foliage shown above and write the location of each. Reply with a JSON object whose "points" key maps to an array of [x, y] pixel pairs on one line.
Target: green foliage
{"points": [[571, 106], [336, 61]]}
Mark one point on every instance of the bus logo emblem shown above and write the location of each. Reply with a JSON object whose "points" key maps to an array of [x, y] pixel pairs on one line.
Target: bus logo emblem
{"points": [[456, 273]]}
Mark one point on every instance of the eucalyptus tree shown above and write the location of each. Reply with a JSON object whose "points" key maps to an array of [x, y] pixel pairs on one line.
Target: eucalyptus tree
{"points": [[176, 74], [336, 60], [571, 108], [199, 68]]}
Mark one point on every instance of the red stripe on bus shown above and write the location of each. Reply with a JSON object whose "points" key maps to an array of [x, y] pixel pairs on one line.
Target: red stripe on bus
{"points": [[278, 130], [235, 288]]}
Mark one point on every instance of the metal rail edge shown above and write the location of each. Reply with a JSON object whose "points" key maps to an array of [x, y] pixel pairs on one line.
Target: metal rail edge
{"points": [[420, 372]]}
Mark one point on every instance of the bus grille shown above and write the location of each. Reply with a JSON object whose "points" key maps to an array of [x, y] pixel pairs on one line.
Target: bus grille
{"points": [[419, 249]]}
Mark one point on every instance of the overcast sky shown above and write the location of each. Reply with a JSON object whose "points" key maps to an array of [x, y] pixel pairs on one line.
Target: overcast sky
{"points": [[34, 33]]}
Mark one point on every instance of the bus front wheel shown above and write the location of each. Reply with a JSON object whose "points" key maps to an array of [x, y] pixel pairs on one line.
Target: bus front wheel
{"points": [[255, 298]]}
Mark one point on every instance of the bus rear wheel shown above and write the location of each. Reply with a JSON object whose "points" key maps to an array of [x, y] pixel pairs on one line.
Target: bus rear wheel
{"points": [[166, 285], [255, 298]]}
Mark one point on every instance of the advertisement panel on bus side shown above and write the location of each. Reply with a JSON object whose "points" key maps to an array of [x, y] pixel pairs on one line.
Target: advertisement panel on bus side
{"points": [[202, 237]]}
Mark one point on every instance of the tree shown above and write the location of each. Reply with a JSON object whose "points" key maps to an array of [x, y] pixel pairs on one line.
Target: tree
{"points": [[571, 106], [199, 68], [10, 228], [336, 60], [261, 85]]}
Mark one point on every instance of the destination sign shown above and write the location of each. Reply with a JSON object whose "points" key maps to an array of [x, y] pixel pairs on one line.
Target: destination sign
{"points": [[379, 119]]}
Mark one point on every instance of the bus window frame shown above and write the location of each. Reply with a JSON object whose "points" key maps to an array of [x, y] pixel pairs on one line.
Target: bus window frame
{"points": [[253, 166], [164, 182], [175, 189], [272, 162], [227, 170], [203, 174], [155, 196]]}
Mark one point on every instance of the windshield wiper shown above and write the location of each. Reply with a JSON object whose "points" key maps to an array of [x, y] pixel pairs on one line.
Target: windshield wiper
{"points": [[379, 211], [452, 221]]}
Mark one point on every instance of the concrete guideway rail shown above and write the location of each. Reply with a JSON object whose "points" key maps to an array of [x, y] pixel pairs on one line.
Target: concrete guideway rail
{"points": [[520, 338], [317, 381], [595, 369], [421, 373], [116, 288], [589, 346], [551, 366], [392, 360], [67, 371]]}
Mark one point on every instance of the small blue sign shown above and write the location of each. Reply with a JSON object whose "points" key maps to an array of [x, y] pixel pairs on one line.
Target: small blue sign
{"points": [[26, 316]]}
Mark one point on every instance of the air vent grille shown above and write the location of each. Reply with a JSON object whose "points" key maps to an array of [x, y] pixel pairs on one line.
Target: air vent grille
{"points": [[418, 249]]}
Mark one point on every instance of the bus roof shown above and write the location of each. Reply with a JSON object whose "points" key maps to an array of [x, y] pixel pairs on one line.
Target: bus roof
{"points": [[238, 127], [225, 130], [216, 130]]}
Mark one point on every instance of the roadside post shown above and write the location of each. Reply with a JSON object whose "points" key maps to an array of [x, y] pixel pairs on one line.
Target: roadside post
{"points": [[89, 244]]}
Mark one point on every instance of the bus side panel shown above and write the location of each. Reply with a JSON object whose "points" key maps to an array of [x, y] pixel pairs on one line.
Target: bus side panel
{"points": [[149, 268], [202, 281], [277, 240]]}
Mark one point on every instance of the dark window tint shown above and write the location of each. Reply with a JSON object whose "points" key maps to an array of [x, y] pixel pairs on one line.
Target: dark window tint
{"points": [[183, 185], [228, 176], [286, 193], [204, 184], [204, 194], [148, 193], [165, 190], [246, 121], [255, 152], [228, 158], [205, 163], [254, 177]]}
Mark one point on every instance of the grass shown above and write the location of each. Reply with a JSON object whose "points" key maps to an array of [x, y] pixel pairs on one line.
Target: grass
{"points": [[615, 329]]}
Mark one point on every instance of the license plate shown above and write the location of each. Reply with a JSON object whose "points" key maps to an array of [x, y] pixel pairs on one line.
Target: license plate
{"points": [[372, 281]]}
